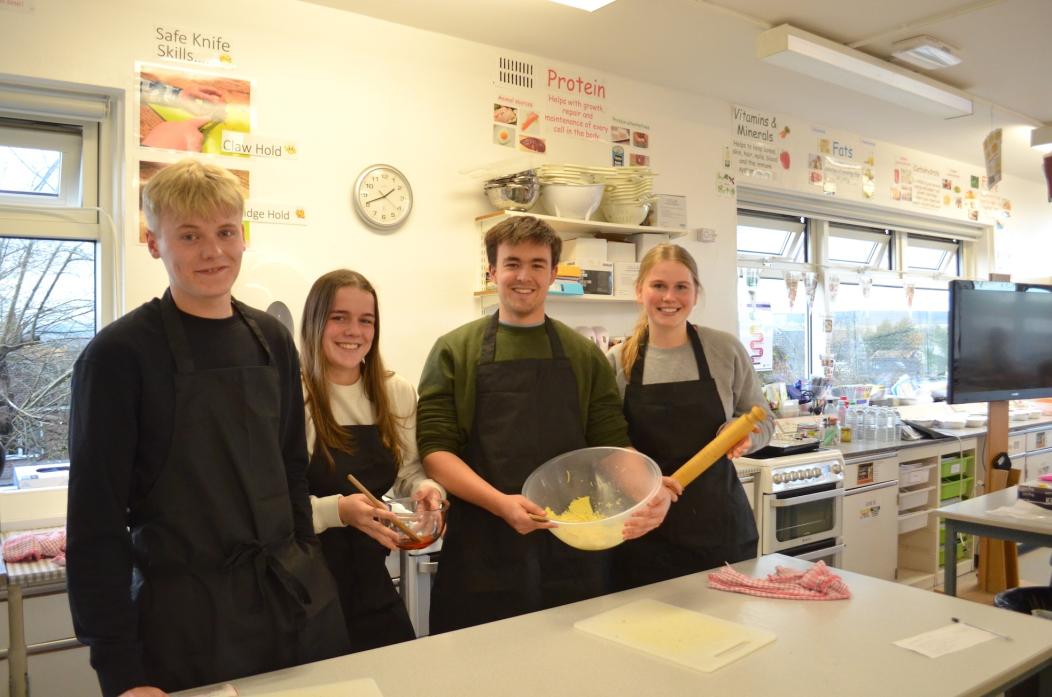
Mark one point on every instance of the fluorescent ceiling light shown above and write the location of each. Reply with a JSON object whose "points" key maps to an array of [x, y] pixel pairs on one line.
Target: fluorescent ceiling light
{"points": [[1041, 138], [926, 52], [807, 53], [586, 5]]}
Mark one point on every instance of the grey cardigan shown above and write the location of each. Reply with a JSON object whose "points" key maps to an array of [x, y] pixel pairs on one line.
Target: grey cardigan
{"points": [[731, 368]]}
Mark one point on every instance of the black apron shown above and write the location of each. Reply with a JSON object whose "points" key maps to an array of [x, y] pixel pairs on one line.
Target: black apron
{"points": [[712, 522], [375, 614], [526, 412], [223, 588]]}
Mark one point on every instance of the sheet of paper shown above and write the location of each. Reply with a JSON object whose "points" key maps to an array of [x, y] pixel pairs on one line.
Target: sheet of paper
{"points": [[1022, 509], [944, 640]]}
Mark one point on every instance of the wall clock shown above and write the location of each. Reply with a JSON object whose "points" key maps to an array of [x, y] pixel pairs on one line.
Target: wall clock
{"points": [[382, 197]]}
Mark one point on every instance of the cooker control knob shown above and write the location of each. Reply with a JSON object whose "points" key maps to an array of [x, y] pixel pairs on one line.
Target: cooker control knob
{"points": [[837, 469], [815, 472], [795, 475], [777, 477]]}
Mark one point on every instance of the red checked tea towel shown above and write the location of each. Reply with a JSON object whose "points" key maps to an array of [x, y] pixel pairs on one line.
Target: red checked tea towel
{"points": [[34, 546], [816, 583]]}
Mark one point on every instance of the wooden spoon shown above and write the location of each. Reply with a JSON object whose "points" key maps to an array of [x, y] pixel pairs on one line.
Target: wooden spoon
{"points": [[376, 503]]}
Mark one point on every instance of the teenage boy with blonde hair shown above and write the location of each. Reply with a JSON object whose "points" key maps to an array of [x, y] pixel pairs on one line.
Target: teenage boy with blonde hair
{"points": [[191, 555]]}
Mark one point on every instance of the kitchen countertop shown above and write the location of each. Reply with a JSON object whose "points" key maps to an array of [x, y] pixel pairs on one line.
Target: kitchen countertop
{"points": [[856, 449], [827, 647]]}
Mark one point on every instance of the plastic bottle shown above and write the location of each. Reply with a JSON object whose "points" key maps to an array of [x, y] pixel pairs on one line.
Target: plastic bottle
{"points": [[886, 424], [841, 410], [831, 437], [898, 427], [869, 424], [881, 419], [850, 417]]}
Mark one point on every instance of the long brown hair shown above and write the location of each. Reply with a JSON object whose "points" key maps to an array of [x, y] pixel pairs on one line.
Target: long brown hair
{"points": [[641, 333], [328, 434]]}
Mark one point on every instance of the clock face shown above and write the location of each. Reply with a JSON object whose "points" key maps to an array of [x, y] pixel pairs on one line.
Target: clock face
{"points": [[382, 197]]}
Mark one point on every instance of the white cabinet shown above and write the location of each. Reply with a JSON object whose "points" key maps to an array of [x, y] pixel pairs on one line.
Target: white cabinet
{"points": [[1038, 463], [66, 672], [930, 476], [1039, 440]]}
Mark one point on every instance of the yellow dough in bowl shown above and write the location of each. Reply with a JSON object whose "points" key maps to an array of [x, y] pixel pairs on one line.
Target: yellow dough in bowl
{"points": [[579, 511], [585, 537]]}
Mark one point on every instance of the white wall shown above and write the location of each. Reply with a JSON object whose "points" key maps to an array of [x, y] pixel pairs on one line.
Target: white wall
{"points": [[351, 91]]}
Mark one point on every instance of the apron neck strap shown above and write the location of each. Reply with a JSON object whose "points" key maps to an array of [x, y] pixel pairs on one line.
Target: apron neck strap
{"points": [[489, 339], [180, 345], [695, 344]]}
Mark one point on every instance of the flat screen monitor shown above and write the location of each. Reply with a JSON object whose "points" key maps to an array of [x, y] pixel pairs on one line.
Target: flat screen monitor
{"points": [[1000, 341]]}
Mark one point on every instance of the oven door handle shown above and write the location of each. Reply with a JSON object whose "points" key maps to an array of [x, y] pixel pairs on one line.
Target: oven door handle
{"points": [[820, 553], [808, 498]]}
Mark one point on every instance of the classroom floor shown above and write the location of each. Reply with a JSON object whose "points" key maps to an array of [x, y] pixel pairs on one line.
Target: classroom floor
{"points": [[1034, 570]]}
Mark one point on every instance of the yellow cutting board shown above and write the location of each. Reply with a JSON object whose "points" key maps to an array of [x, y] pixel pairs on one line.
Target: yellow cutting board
{"points": [[685, 637]]}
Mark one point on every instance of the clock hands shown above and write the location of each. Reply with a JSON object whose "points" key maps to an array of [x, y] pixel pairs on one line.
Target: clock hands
{"points": [[380, 197]]}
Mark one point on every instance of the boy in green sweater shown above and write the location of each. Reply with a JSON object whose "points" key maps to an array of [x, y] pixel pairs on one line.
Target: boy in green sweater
{"points": [[498, 397]]}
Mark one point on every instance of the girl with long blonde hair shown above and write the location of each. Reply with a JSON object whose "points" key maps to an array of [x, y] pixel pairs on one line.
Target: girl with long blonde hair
{"points": [[361, 420], [680, 385]]}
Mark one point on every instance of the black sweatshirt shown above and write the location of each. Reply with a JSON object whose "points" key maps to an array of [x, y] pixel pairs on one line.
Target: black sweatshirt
{"points": [[121, 426]]}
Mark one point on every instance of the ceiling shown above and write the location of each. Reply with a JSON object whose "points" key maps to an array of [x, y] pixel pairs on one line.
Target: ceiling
{"points": [[709, 48]]}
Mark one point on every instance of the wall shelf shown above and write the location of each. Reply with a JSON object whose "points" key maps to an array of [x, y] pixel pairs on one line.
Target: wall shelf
{"points": [[576, 227]]}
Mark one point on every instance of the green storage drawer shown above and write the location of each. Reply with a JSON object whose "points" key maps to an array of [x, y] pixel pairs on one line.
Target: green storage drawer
{"points": [[952, 488], [956, 466], [962, 552]]}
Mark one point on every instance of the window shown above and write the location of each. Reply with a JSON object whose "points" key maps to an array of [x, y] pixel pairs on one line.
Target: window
{"points": [[57, 275], [868, 313]]}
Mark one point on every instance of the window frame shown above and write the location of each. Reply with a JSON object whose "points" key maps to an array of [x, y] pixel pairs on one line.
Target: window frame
{"points": [[823, 219], [95, 214]]}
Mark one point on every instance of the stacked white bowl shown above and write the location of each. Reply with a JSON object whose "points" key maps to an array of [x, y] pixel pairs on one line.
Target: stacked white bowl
{"points": [[626, 191]]}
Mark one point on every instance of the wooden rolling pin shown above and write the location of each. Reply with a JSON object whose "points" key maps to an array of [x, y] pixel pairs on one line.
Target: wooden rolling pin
{"points": [[719, 446]]}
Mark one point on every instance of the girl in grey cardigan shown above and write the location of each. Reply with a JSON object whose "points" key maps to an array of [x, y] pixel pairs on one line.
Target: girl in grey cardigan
{"points": [[680, 385]]}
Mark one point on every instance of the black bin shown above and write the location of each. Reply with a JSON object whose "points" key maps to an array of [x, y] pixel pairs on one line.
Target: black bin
{"points": [[1024, 600]]}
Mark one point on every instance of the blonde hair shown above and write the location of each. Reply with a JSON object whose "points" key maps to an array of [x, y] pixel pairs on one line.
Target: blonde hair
{"points": [[315, 368], [187, 188], [656, 255]]}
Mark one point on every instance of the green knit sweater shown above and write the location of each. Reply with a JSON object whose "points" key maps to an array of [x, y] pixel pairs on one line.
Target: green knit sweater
{"points": [[447, 385]]}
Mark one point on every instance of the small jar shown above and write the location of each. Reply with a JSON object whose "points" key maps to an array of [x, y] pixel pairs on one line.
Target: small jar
{"points": [[846, 433]]}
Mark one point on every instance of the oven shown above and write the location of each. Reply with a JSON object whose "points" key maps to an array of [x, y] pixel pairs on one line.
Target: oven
{"points": [[801, 505], [801, 516]]}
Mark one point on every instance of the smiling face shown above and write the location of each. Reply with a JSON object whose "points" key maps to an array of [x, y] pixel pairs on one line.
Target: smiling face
{"points": [[522, 273], [202, 255], [348, 336], [668, 295]]}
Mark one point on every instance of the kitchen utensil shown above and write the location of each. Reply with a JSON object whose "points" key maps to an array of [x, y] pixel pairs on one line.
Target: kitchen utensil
{"points": [[513, 196], [426, 523], [572, 200], [377, 503], [625, 213], [719, 446], [687, 638], [616, 481]]}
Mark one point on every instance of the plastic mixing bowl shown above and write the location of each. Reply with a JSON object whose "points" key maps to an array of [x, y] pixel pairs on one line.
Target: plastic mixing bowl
{"points": [[615, 481]]}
